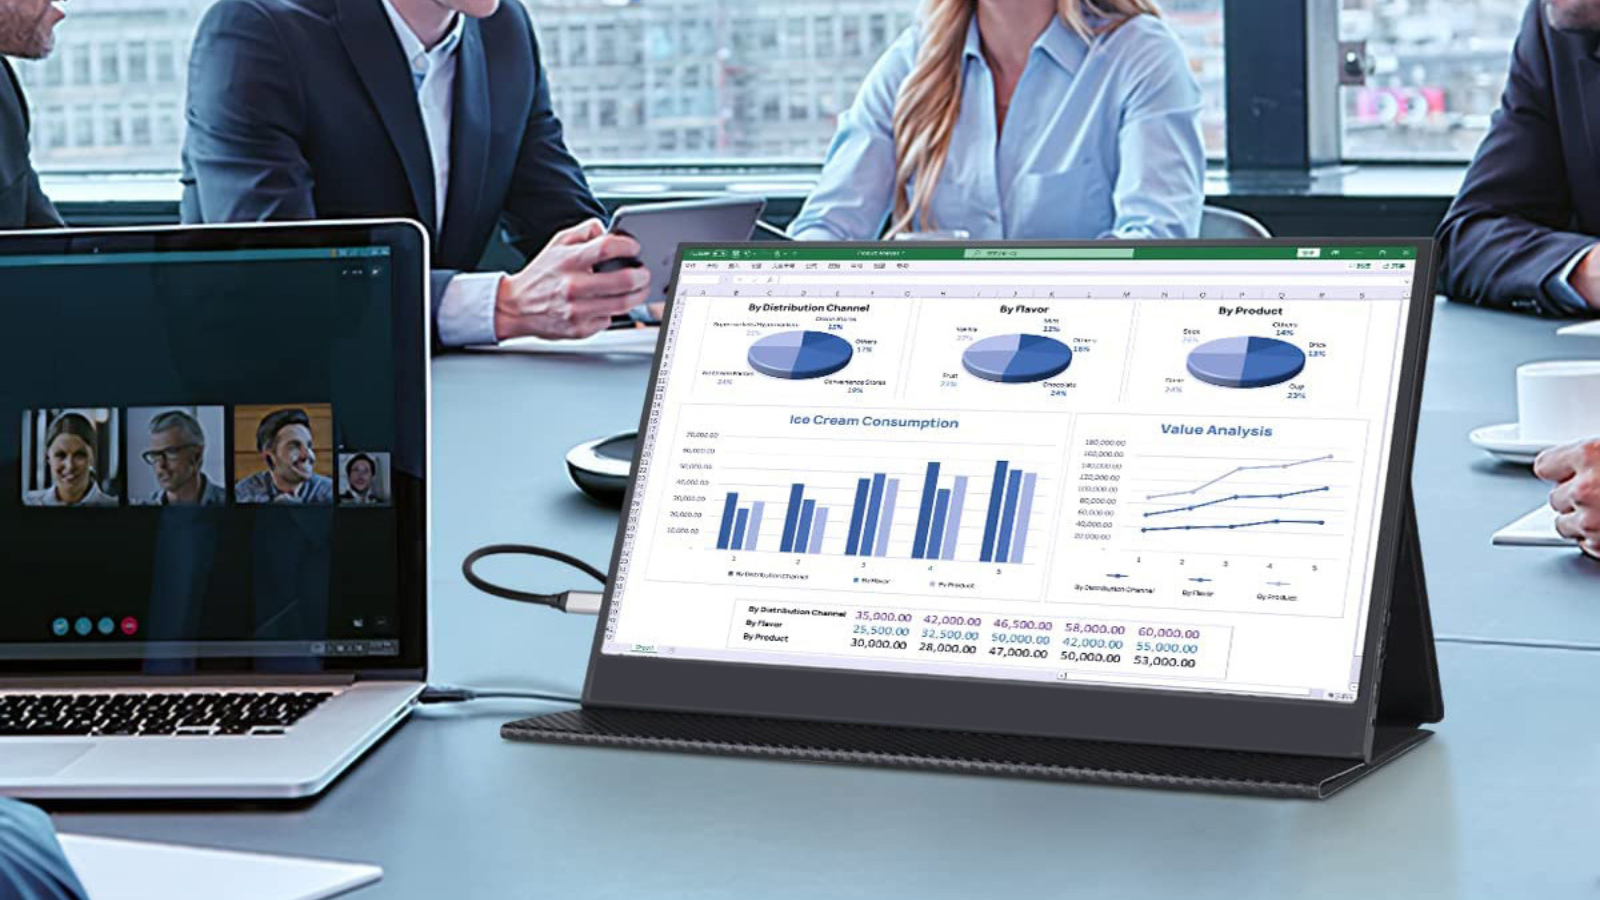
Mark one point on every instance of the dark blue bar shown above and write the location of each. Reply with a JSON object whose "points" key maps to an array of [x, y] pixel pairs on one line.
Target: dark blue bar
{"points": [[726, 528], [996, 492], [791, 516], [739, 522], [941, 507], [860, 510], [802, 532], [930, 484], [870, 526], [1009, 517]]}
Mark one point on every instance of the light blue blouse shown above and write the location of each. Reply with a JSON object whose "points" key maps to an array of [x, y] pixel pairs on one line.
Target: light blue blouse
{"points": [[1102, 139]]}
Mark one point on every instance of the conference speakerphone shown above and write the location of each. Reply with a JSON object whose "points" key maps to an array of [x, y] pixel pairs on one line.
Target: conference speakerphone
{"points": [[1121, 511]]}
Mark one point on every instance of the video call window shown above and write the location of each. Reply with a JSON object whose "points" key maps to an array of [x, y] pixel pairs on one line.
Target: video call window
{"points": [[364, 479], [283, 453], [69, 457], [177, 456]]}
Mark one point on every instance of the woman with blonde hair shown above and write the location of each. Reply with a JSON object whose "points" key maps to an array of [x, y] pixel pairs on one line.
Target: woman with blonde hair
{"points": [[1019, 119]]}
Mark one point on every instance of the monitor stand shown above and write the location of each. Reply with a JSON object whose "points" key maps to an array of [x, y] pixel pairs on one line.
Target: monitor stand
{"points": [[1409, 697]]}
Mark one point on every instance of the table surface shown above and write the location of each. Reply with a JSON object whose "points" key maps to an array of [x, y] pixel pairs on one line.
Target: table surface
{"points": [[1499, 804]]}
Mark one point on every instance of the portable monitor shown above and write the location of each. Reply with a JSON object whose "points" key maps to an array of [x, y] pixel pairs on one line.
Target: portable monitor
{"points": [[1151, 493]]}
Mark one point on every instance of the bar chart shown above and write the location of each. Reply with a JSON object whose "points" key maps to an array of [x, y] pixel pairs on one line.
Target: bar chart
{"points": [[1007, 513]]}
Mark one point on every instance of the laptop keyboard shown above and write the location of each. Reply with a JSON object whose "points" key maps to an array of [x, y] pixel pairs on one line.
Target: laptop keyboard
{"points": [[175, 713]]}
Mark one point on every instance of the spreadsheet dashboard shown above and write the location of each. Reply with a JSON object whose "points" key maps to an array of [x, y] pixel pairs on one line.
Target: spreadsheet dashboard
{"points": [[1156, 466]]}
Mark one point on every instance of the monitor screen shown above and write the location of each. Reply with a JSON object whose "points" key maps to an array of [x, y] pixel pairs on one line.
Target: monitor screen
{"points": [[201, 455], [1153, 466]]}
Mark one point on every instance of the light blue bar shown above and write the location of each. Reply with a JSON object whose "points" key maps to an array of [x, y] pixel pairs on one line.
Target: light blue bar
{"points": [[818, 523], [754, 529], [952, 524], [1024, 509], [890, 491]]}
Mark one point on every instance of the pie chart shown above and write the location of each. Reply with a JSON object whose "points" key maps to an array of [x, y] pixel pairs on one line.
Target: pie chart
{"points": [[1017, 358], [800, 354], [1246, 362]]}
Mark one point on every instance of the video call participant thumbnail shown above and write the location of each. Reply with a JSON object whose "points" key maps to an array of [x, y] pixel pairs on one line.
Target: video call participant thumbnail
{"points": [[287, 446], [366, 479], [71, 449], [176, 458]]}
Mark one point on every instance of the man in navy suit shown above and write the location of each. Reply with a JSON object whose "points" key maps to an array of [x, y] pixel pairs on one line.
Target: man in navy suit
{"points": [[27, 30], [1523, 231], [436, 110], [1520, 235]]}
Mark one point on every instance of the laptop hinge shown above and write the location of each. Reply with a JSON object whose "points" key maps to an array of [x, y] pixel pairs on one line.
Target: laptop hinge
{"points": [[249, 680]]}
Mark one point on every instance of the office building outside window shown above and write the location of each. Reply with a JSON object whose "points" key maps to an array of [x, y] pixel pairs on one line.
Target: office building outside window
{"points": [[669, 81], [1437, 71]]}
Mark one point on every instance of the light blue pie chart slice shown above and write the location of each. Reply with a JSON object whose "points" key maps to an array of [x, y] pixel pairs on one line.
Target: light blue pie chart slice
{"points": [[800, 354], [1246, 362], [1017, 358]]}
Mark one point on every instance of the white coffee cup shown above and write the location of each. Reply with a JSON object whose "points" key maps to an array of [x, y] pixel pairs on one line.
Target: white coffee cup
{"points": [[1558, 400]]}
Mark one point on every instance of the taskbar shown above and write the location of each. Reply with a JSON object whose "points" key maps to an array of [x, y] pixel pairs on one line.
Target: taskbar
{"points": [[199, 649]]}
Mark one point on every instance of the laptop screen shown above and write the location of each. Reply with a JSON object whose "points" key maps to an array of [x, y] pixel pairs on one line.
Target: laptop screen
{"points": [[204, 452], [1156, 466]]}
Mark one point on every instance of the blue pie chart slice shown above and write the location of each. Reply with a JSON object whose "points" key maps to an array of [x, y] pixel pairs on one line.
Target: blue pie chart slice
{"points": [[800, 354], [1246, 362], [1017, 358]]}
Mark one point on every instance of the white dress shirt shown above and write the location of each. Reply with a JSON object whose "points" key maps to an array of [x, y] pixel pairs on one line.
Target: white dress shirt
{"points": [[466, 314]]}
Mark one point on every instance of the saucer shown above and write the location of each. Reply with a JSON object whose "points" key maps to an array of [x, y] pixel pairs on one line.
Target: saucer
{"points": [[1505, 442]]}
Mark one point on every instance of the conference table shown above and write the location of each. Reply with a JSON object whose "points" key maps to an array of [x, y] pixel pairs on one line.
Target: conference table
{"points": [[1499, 804]]}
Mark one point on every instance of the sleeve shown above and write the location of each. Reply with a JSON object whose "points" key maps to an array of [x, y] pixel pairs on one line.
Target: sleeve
{"points": [[1161, 156], [245, 115], [465, 314], [40, 213], [548, 190], [32, 866], [1504, 236], [854, 194], [1559, 285]]}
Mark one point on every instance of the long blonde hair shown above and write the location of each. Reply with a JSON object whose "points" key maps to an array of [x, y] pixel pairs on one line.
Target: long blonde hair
{"points": [[929, 101]]}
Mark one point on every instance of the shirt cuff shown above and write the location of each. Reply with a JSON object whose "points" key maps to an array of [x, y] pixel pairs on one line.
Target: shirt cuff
{"points": [[1559, 285], [466, 314]]}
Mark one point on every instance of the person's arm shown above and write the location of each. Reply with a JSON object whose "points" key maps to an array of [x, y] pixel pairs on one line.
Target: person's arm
{"points": [[854, 194], [552, 218], [1504, 241], [246, 115], [1575, 470], [40, 212], [32, 866], [1161, 155], [548, 191]]}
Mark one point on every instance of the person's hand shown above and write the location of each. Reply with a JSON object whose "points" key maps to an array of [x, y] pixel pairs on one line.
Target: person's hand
{"points": [[1575, 468], [559, 295]]}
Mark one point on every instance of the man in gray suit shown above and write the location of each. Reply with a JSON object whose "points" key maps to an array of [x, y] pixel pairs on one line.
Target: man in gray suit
{"points": [[27, 31]]}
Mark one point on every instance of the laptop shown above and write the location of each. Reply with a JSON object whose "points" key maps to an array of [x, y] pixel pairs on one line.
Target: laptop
{"points": [[213, 483], [900, 503]]}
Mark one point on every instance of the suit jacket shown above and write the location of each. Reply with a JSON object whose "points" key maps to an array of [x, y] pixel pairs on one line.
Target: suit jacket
{"points": [[22, 203], [1531, 200], [303, 109]]}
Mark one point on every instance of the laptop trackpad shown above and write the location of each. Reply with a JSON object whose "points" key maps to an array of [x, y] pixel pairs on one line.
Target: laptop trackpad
{"points": [[23, 759]]}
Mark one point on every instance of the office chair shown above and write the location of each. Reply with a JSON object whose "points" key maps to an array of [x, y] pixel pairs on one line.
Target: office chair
{"points": [[1219, 222]]}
